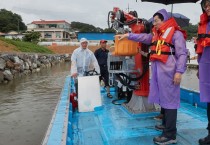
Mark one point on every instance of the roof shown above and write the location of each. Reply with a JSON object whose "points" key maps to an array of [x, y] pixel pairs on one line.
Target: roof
{"points": [[1, 33], [12, 32], [49, 22]]}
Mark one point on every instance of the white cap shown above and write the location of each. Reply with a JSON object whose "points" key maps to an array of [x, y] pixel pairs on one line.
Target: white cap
{"points": [[83, 40]]}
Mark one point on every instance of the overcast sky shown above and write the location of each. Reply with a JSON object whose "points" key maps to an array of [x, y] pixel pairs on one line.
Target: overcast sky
{"points": [[93, 12]]}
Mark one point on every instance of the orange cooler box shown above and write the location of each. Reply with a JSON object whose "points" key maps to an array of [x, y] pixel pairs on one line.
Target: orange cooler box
{"points": [[125, 47]]}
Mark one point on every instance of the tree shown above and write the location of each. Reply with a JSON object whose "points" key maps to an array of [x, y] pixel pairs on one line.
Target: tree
{"points": [[109, 30], [32, 37], [83, 27], [191, 31], [10, 21]]}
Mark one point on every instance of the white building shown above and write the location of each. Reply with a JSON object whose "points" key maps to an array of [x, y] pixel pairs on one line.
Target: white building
{"points": [[58, 30]]}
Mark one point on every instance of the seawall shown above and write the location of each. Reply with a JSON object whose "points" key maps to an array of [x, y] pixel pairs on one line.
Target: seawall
{"points": [[14, 65]]}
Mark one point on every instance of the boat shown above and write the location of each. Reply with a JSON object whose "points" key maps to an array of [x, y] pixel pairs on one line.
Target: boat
{"points": [[122, 121], [111, 124]]}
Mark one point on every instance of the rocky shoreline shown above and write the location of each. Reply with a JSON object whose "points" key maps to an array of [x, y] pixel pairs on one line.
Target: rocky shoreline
{"points": [[14, 65]]}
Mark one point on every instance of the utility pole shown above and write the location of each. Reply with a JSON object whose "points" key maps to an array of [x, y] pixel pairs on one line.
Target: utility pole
{"points": [[18, 26], [128, 7]]}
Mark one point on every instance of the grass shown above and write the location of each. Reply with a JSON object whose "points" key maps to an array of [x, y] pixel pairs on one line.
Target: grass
{"points": [[27, 46]]}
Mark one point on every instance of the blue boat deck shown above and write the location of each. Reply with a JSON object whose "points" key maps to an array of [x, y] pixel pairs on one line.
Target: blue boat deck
{"points": [[114, 125]]}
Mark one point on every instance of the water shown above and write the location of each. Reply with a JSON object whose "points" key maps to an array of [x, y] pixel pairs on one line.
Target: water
{"points": [[190, 80], [190, 46], [27, 105]]}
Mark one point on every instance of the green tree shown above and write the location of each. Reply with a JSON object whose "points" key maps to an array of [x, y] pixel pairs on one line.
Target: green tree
{"points": [[83, 27], [109, 30], [32, 37], [11, 21], [191, 31]]}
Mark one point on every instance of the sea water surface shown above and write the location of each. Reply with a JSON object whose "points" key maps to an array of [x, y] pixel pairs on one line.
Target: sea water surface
{"points": [[27, 105]]}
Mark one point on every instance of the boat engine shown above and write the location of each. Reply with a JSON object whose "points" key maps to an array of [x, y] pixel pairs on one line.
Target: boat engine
{"points": [[129, 72]]}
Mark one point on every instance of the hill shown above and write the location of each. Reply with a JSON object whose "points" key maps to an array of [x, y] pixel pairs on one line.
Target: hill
{"points": [[8, 45]]}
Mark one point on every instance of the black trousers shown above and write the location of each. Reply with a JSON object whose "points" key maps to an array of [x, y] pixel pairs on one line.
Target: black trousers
{"points": [[104, 75], [162, 111], [208, 116], [169, 121]]}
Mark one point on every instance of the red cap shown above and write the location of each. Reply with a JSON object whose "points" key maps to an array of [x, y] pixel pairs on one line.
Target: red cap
{"points": [[103, 41]]}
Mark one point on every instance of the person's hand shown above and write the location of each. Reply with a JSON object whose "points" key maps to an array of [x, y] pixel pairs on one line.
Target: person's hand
{"points": [[177, 78], [145, 54], [122, 36], [197, 74], [74, 75]]}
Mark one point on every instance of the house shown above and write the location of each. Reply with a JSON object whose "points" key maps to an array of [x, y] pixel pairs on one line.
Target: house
{"points": [[58, 30], [12, 35]]}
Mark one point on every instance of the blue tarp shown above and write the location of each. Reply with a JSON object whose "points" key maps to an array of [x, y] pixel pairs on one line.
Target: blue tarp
{"points": [[96, 36]]}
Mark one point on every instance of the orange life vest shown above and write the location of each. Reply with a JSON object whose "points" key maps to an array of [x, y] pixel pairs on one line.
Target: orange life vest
{"points": [[203, 39], [162, 40]]}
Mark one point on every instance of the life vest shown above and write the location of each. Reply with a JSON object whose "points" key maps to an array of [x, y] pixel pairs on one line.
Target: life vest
{"points": [[162, 40], [203, 39]]}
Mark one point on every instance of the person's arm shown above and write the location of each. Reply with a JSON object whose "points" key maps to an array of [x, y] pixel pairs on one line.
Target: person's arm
{"points": [[95, 63], [180, 52], [145, 54], [96, 53], [143, 37], [198, 60], [73, 65], [181, 55], [199, 57]]}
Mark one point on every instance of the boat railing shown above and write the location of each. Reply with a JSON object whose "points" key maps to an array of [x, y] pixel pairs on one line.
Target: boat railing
{"points": [[58, 128], [192, 97]]}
